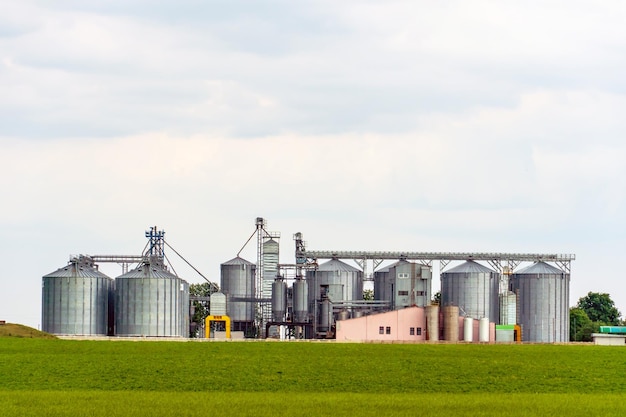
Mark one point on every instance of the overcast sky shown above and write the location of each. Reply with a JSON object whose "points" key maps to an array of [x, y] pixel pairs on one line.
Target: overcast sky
{"points": [[366, 125]]}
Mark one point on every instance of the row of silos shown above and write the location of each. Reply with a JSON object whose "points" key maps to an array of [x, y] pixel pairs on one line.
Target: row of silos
{"points": [[537, 301], [147, 301]]}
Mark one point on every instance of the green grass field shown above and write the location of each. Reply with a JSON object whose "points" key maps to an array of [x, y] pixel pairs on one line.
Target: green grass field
{"points": [[101, 378]]}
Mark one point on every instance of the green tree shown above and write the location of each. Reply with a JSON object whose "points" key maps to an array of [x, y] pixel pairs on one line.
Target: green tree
{"points": [[437, 298], [580, 325], [600, 308], [368, 294], [200, 308]]}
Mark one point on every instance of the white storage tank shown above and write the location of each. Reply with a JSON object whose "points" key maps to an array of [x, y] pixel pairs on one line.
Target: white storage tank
{"points": [[483, 329], [76, 300], [468, 329], [218, 304]]}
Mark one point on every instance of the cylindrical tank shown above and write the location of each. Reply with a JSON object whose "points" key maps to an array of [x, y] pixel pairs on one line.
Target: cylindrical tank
{"points": [[468, 329], [75, 300], [473, 288], [300, 301], [326, 316], [451, 323], [336, 281], [543, 297], [279, 300], [237, 283], [150, 301], [218, 304], [508, 308], [483, 329], [343, 315], [432, 322]]}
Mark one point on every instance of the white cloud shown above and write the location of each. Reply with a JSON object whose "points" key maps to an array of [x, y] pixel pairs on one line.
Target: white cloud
{"points": [[396, 126]]}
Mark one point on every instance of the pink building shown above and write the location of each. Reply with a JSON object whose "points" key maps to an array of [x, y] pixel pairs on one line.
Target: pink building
{"points": [[406, 325]]}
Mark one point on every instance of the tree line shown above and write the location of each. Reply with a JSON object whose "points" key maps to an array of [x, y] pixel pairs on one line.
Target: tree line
{"points": [[592, 311]]}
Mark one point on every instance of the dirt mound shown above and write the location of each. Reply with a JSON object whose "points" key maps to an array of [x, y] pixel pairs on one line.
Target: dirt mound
{"points": [[19, 330]]}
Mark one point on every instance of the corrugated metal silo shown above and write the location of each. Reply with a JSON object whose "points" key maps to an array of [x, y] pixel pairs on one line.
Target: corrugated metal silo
{"points": [[336, 281], [75, 300], [543, 297], [150, 301], [238, 283], [473, 288]]}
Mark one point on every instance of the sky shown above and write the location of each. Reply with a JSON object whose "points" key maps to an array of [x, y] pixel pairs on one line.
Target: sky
{"points": [[483, 126]]}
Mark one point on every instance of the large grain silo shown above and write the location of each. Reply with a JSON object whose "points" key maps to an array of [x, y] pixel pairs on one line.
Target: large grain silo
{"points": [[331, 283], [76, 300], [150, 301], [403, 284], [543, 303], [336, 281], [238, 283], [473, 288]]}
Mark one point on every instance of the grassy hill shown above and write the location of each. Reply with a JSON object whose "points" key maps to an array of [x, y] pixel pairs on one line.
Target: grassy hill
{"points": [[19, 330]]}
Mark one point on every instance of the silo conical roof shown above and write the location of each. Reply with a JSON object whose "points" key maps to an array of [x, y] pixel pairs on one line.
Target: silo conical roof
{"points": [[238, 261], [337, 265], [148, 271], [540, 268], [470, 267], [76, 271]]}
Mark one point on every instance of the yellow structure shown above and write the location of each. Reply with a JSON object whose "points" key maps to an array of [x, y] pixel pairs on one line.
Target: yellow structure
{"points": [[207, 325]]}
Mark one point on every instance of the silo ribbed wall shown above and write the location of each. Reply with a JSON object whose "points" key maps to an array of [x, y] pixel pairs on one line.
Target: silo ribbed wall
{"points": [[474, 289], [151, 302], [543, 297], [238, 283], [75, 301]]}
